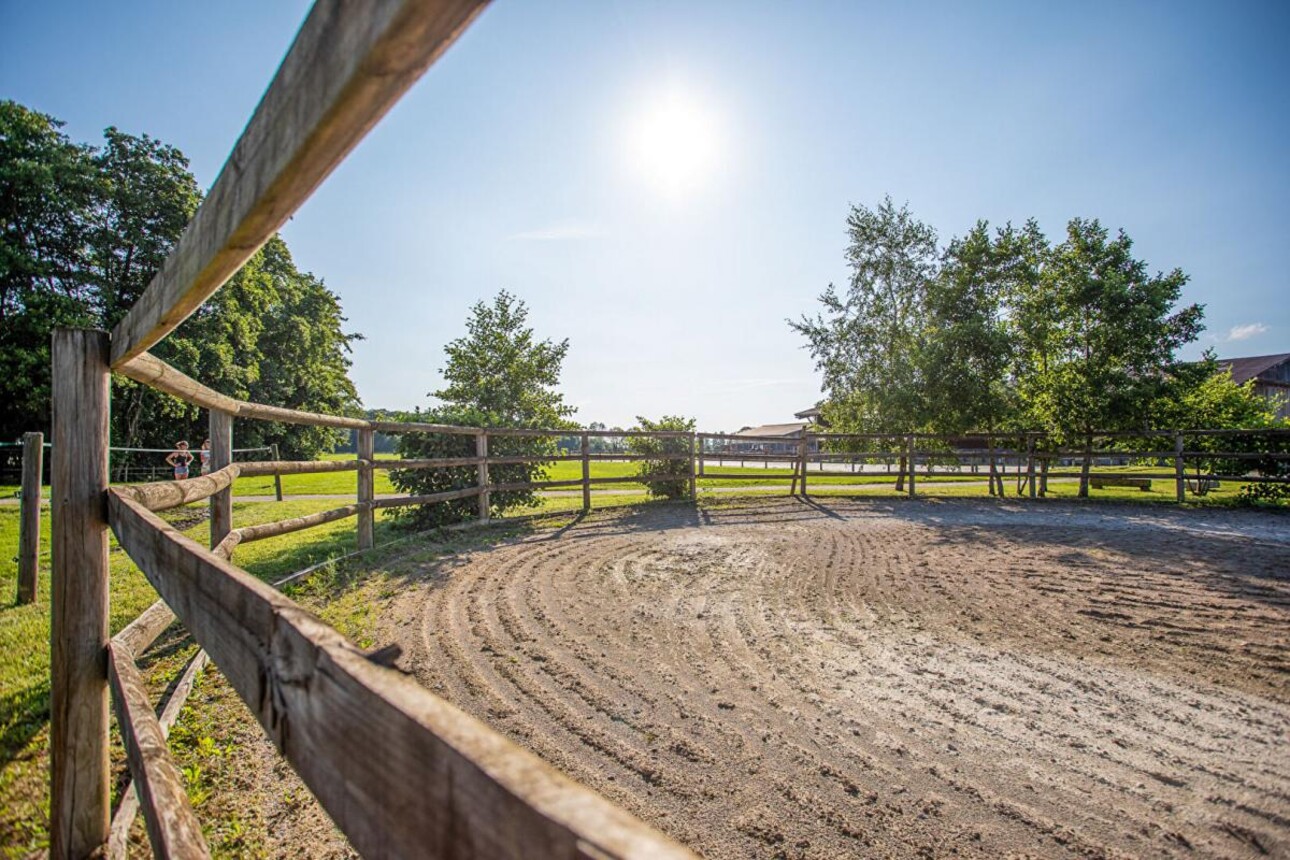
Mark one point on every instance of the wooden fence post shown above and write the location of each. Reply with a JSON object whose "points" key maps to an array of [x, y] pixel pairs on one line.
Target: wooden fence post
{"points": [[366, 488], [801, 456], [586, 472], [1179, 470], [694, 492], [277, 479], [481, 450], [221, 504], [78, 696], [909, 451], [1030, 464], [33, 463]]}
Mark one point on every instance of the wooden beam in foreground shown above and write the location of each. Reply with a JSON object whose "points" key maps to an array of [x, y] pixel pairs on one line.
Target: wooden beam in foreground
{"points": [[402, 772], [173, 829], [155, 373], [123, 819], [349, 64]]}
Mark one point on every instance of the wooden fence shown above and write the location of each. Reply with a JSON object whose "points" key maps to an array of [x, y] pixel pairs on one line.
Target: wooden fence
{"points": [[400, 771]]}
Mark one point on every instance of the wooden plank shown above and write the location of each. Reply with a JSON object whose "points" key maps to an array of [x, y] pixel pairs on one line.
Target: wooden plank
{"points": [[535, 485], [33, 462], [801, 453], [432, 498], [256, 469], [123, 819], [427, 463], [247, 534], [349, 64], [481, 451], [694, 493], [78, 698], [913, 469], [585, 444], [140, 633], [173, 828], [221, 503], [155, 373], [401, 772], [366, 489], [163, 495], [418, 427]]}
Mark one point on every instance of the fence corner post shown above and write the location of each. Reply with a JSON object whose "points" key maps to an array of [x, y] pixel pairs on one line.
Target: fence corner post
{"points": [[801, 455], [1180, 481], [481, 451], [366, 488], [909, 453], [78, 697], [1030, 464], [586, 472], [694, 493], [221, 504], [33, 463]]}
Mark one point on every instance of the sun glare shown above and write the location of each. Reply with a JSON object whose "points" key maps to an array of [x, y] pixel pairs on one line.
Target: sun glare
{"points": [[674, 144]]}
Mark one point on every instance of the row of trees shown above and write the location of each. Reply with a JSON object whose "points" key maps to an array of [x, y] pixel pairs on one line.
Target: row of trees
{"points": [[1003, 330], [83, 229]]}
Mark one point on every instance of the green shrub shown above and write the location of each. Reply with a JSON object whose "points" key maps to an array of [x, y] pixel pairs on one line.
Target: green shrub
{"points": [[677, 472]]}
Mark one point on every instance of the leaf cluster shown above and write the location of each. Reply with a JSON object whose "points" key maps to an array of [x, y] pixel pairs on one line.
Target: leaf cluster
{"points": [[675, 473]]}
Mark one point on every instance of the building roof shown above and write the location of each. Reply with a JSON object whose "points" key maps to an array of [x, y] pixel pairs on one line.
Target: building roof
{"points": [[775, 429], [808, 414], [1245, 369]]}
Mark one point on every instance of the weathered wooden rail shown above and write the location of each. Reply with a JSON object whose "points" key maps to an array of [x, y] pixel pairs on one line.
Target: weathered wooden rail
{"points": [[400, 771]]}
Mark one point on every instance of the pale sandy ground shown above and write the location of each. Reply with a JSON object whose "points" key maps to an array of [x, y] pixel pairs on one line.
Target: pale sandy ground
{"points": [[780, 678]]}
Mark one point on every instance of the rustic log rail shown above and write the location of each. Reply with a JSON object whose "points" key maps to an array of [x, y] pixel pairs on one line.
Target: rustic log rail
{"points": [[438, 783]]}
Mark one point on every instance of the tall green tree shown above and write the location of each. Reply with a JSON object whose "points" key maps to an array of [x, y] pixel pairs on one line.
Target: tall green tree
{"points": [[48, 185], [82, 233], [865, 341], [965, 350], [498, 375], [1112, 334]]}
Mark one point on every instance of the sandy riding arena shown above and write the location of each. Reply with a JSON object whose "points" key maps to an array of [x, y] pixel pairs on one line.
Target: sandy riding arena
{"points": [[779, 678]]}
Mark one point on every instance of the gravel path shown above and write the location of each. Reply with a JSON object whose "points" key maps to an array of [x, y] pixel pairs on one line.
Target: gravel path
{"points": [[779, 678]]}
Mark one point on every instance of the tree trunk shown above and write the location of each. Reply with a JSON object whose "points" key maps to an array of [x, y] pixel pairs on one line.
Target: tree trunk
{"points": [[900, 477], [1043, 477]]}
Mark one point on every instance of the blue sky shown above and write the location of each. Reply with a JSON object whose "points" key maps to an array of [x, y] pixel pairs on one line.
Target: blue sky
{"points": [[515, 164]]}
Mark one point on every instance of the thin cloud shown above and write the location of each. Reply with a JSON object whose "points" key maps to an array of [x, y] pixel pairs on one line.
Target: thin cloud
{"points": [[1244, 332], [570, 231]]}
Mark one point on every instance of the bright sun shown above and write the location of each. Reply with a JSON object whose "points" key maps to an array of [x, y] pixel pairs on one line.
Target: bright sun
{"points": [[674, 144]]}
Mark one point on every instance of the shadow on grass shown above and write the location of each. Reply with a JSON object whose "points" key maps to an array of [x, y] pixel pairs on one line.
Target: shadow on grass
{"points": [[23, 715]]}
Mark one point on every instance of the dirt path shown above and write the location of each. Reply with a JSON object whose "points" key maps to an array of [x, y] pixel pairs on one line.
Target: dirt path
{"points": [[889, 679]]}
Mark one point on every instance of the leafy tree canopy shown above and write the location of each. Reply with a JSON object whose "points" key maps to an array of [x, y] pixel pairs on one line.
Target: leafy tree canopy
{"points": [[82, 232], [498, 375]]}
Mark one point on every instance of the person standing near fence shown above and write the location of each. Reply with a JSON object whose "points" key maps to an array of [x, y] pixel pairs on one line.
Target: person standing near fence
{"points": [[179, 459], [205, 454]]}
